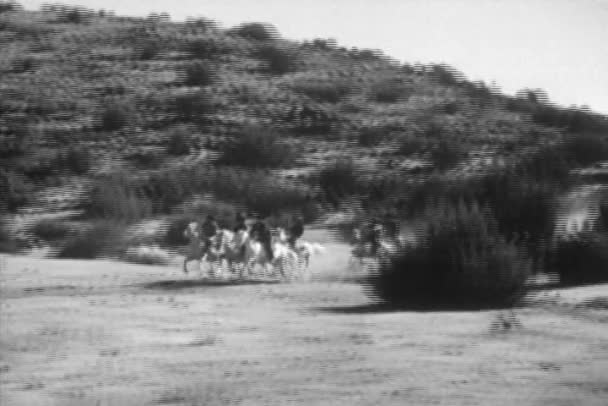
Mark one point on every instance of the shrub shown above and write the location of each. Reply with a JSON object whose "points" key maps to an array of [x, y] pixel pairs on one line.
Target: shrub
{"points": [[174, 236], [206, 48], [585, 149], [179, 141], [323, 91], [193, 106], [582, 258], [76, 159], [101, 239], [7, 239], [338, 180], [412, 144], [390, 91], [372, 136], [115, 117], [15, 192], [8, 6], [603, 216], [255, 31], [146, 158], [24, 64], [461, 261], [198, 74], [446, 154], [149, 49], [279, 61], [116, 197], [258, 147], [51, 229]]}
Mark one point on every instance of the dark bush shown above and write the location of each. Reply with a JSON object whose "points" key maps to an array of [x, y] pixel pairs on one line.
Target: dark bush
{"points": [[338, 180], [115, 117], [174, 236], [582, 258], [180, 141], [323, 91], [206, 48], [149, 49], [146, 158], [7, 6], [119, 198], [77, 160], [258, 147], [279, 61], [7, 240], [15, 191], [446, 154], [603, 218], [462, 261], [194, 106], [102, 239], [412, 144], [445, 75], [24, 64], [585, 149], [310, 119], [51, 230], [12, 145], [372, 136], [256, 31], [390, 91], [199, 74]]}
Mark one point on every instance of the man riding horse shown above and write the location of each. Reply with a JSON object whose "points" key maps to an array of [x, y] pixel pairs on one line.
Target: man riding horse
{"points": [[261, 233], [209, 229], [294, 232]]}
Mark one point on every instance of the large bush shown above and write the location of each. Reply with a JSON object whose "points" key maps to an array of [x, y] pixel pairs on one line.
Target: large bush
{"points": [[582, 258], [119, 198], [102, 239], [115, 117], [338, 180], [180, 141], [390, 91], [51, 229], [255, 31], [194, 106], [15, 191], [462, 261], [323, 91], [279, 61], [198, 73], [258, 147]]}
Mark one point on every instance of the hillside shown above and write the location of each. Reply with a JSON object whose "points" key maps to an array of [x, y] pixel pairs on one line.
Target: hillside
{"points": [[107, 121]]}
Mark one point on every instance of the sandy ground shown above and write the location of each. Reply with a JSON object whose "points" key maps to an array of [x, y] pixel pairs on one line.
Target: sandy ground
{"points": [[109, 333]]}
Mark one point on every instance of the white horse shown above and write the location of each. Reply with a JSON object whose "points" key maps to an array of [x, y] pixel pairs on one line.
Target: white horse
{"points": [[302, 249], [233, 247]]}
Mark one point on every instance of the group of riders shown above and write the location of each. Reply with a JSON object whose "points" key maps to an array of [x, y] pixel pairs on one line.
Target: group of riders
{"points": [[374, 238], [255, 228]]}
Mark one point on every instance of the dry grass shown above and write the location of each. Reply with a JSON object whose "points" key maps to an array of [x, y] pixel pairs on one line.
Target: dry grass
{"points": [[101, 332]]}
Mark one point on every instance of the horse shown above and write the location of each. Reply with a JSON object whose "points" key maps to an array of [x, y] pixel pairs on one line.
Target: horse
{"points": [[255, 254], [195, 250], [302, 249], [233, 247]]}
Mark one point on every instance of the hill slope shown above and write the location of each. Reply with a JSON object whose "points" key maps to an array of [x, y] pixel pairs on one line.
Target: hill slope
{"points": [[124, 119]]}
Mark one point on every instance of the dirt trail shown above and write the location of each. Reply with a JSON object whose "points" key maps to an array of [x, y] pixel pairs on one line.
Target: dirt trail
{"points": [[108, 333]]}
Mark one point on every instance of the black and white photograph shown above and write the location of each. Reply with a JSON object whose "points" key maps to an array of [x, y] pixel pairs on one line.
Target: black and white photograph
{"points": [[316, 203]]}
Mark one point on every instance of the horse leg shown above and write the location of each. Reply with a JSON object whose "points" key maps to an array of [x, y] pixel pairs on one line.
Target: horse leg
{"points": [[186, 260]]}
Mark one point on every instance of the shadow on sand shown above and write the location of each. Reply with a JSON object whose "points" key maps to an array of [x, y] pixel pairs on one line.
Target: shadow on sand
{"points": [[195, 283], [378, 307]]}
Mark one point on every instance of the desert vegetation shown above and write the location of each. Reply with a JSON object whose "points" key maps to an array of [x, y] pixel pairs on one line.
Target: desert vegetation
{"points": [[170, 116]]}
